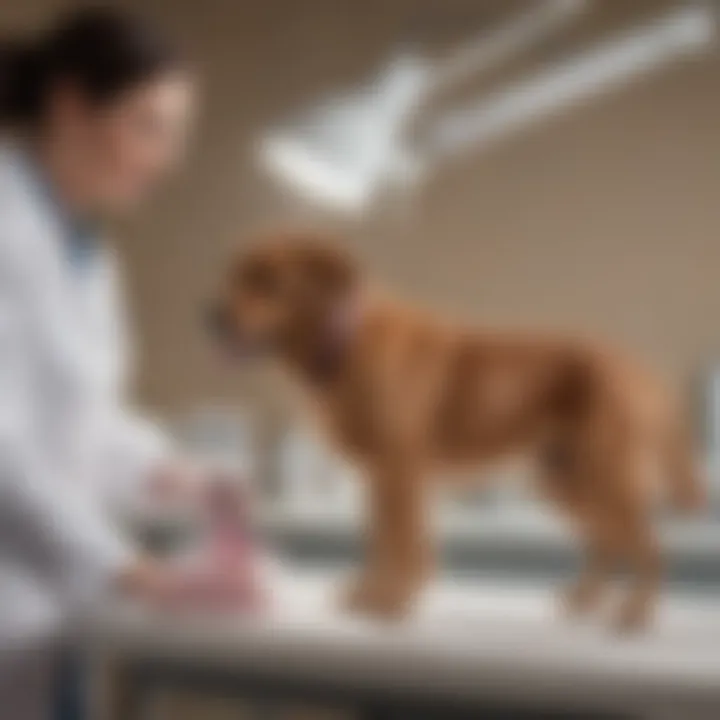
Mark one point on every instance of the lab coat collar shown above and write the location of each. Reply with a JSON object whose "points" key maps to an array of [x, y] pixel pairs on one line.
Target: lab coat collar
{"points": [[79, 236]]}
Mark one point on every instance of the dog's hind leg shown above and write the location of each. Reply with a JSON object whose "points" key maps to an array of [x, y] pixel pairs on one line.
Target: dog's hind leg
{"points": [[586, 592], [625, 508], [641, 553], [569, 482]]}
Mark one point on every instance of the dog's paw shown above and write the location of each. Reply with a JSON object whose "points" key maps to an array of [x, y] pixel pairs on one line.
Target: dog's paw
{"points": [[579, 599], [378, 599], [355, 595], [633, 617]]}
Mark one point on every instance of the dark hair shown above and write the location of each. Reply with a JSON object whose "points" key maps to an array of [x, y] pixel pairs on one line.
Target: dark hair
{"points": [[101, 51]]}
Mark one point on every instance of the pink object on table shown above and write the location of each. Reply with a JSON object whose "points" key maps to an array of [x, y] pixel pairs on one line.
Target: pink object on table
{"points": [[227, 572]]}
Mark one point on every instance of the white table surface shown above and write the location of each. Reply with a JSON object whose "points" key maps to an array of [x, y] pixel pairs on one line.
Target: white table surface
{"points": [[468, 639]]}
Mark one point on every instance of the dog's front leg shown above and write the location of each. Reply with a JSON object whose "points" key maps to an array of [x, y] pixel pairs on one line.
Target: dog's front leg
{"points": [[399, 549]]}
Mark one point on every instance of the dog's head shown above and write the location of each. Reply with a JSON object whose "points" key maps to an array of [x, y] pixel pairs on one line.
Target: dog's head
{"points": [[283, 296]]}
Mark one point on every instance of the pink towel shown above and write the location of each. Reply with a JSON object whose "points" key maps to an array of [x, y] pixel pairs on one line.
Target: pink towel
{"points": [[226, 572]]}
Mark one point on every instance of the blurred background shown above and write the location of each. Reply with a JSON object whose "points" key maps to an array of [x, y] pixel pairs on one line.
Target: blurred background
{"points": [[548, 163]]}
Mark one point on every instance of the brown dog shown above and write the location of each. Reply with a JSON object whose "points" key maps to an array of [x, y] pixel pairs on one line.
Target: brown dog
{"points": [[404, 395]]}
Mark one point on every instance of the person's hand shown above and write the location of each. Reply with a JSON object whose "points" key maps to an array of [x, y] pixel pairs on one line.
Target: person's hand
{"points": [[175, 481], [201, 587], [145, 579], [183, 482]]}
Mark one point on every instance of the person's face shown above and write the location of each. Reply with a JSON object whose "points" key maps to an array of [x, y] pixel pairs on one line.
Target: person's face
{"points": [[126, 146]]}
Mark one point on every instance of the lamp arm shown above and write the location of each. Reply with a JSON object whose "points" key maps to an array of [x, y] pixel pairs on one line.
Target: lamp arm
{"points": [[489, 51], [500, 45]]}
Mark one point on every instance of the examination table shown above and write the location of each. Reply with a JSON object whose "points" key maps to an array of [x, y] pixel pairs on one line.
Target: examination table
{"points": [[473, 649]]}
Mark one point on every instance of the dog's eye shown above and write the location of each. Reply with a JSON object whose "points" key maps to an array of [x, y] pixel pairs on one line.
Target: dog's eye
{"points": [[259, 279]]}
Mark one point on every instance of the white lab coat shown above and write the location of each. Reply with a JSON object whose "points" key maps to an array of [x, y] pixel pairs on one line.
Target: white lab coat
{"points": [[67, 443]]}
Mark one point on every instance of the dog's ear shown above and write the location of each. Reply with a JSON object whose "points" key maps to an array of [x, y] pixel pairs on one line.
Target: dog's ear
{"points": [[331, 270]]}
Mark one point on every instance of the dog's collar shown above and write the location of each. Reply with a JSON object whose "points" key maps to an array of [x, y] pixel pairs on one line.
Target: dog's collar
{"points": [[341, 329]]}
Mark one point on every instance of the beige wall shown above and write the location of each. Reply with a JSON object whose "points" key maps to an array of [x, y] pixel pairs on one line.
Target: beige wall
{"points": [[605, 220]]}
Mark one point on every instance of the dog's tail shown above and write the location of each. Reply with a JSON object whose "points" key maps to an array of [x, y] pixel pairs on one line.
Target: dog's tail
{"points": [[686, 483]]}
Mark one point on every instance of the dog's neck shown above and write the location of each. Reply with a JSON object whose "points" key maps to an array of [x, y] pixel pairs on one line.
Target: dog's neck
{"points": [[342, 329], [325, 354]]}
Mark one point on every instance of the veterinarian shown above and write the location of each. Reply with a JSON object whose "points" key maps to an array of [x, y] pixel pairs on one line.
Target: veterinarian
{"points": [[93, 113]]}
